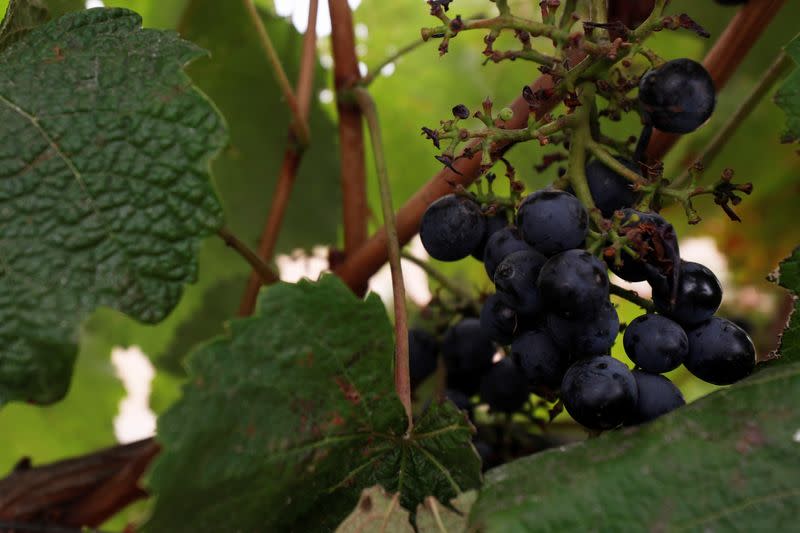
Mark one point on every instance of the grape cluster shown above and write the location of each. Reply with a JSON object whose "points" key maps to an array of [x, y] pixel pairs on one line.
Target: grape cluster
{"points": [[551, 313]]}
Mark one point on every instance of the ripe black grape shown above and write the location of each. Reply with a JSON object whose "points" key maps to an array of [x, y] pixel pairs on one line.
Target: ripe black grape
{"points": [[468, 353], [599, 393], [552, 221], [574, 284], [698, 295], [504, 387], [655, 343], [494, 223], [452, 227], [610, 190], [422, 352], [657, 396], [720, 352], [678, 96], [542, 362], [587, 336], [499, 246], [515, 279], [498, 320]]}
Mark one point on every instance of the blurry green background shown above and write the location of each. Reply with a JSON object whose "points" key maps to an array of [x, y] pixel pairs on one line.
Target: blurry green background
{"points": [[420, 90]]}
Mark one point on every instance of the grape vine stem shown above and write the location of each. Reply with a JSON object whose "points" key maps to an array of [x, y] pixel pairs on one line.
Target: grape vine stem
{"points": [[376, 70], [353, 173], [632, 297], [402, 380], [292, 158], [264, 271], [300, 124], [442, 280]]}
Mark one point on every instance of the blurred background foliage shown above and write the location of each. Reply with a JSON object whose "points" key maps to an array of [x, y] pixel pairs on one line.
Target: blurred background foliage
{"points": [[417, 90]]}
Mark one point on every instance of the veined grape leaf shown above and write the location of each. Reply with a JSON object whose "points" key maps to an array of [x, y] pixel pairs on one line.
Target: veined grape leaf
{"points": [[789, 278], [788, 96], [21, 17], [290, 416], [726, 462], [380, 511], [105, 193]]}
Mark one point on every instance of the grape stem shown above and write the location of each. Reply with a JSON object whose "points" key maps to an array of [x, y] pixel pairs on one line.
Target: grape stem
{"points": [[292, 158], [376, 70], [632, 297], [300, 124], [463, 295], [576, 164], [507, 22], [352, 158], [608, 160], [266, 273], [726, 133], [402, 380]]}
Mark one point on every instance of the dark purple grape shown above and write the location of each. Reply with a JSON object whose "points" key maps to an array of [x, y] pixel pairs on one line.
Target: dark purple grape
{"points": [[494, 223], [588, 336], [720, 352], [542, 362], [504, 387], [630, 270], [515, 279], [422, 355], [610, 190], [552, 221], [599, 393], [452, 227], [574, 284], [655, 343], [678, 96], [656, 396], [698, 295], [499, 246], [498, 320], [467, 351]]}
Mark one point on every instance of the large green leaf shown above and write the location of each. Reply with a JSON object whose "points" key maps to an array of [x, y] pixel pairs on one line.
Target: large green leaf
{"points": [[788, 97], [726, 462], [289, 417], [21, 17], [105, 192]]}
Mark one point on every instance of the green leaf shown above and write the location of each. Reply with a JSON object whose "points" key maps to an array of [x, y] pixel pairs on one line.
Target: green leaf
{"points": [[378, 510], [788, 96], [725, 462], [105, 191], [291, 415], [789, 278], [21, 17]]}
